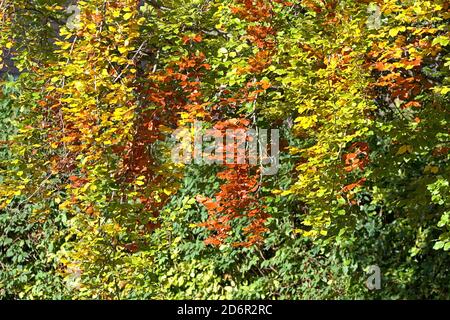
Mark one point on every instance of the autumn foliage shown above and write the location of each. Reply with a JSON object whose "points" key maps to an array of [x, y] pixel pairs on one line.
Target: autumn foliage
{"points": [[358, 89]]}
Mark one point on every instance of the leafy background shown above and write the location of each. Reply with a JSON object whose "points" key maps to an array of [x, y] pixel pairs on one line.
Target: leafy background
{"points": [[87, 212]]}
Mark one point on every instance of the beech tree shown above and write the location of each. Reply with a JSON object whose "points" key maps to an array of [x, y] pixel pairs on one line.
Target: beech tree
{"points": [[92, 205]]}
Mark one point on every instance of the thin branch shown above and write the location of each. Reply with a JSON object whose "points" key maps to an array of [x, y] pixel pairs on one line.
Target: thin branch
{"points": [[128, 65]]}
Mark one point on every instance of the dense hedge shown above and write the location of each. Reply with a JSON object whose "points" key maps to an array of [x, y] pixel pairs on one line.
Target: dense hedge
{"points": [[92, 205]]}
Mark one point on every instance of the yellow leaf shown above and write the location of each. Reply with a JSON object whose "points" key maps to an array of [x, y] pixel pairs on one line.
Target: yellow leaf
{"points": [[432, 169], [394, 31], [122, 50], [306, 122], [404, 149], [79, 85]]}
